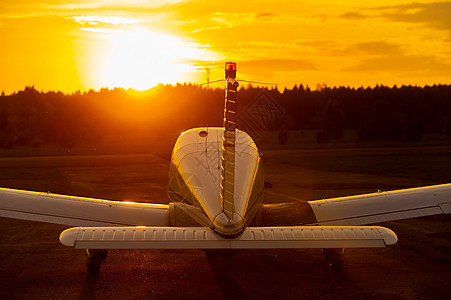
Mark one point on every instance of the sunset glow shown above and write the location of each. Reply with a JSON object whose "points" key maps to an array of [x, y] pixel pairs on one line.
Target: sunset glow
{"points": [[78, 45], [141, 59]]}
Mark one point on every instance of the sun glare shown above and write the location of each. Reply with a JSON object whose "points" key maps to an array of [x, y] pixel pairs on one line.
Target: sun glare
{"points": [[141, 59]]}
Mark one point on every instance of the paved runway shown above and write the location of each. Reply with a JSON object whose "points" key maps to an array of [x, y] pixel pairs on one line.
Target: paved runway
{"points": [[34, 265]]}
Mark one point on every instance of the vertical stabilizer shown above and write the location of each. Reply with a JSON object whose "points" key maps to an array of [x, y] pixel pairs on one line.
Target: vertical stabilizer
{"points": [[228, 143]]}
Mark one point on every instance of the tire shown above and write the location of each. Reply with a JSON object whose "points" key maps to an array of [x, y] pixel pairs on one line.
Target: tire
{"points": [[334, 257], [336, 266], [94, 259]]}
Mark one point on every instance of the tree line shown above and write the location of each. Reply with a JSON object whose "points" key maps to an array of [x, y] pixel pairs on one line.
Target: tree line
{"points": [[31, 117]]}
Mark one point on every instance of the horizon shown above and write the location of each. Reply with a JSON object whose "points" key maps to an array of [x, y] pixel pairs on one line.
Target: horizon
{"points": [[318, 88], [72, 46]]}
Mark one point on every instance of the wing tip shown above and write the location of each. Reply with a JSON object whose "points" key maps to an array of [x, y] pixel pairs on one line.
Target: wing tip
{"points": [[389, 236], [69, 236]]}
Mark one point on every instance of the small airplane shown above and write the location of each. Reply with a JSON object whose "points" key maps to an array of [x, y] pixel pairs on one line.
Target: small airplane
{"points": [[216, 202]]}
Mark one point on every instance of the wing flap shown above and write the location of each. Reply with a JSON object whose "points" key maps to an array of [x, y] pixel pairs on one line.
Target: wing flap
{"points": [[79, 211], [205, 238], [383, 206]]}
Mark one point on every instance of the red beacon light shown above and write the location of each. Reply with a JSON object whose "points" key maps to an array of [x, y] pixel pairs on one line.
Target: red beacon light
{"points": [[230, 66], [230, 70]]}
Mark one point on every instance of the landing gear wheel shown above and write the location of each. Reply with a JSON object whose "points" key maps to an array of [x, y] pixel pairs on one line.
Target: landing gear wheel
{"points": [[94, 259], [334, 257], [336, 266]]}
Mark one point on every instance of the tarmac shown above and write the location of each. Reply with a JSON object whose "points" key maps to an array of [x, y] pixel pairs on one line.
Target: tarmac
{"points": [[36, 266]]}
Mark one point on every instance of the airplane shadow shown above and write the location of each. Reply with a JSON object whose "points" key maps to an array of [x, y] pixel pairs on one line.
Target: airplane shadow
{"points": [[88, 290], [219, 264]]}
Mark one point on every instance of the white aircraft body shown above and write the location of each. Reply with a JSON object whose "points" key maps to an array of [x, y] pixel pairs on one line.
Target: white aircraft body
{"points": [[216, 201]]}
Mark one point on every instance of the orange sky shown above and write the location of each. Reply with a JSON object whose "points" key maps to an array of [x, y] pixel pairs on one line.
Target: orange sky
{"points": [[72, 45]]}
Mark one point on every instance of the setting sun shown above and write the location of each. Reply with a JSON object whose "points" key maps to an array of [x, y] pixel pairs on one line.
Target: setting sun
{"points": [[141, 59]]}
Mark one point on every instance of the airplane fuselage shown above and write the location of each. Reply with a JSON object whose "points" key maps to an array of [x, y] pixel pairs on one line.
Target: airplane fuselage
{"points": [[195, 182]]}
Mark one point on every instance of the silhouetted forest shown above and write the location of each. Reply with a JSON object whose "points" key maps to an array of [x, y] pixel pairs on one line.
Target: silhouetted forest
{"points": [[30, 117]]}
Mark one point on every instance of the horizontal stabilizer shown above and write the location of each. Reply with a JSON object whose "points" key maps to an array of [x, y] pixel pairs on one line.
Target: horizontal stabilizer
{"points": [[205, 238]]}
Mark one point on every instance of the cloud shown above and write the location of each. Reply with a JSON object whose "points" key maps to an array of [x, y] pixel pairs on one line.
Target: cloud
{"points": [[257, 66], [333, 48], [107, 4], [234, 19], [324, 47], [382, 56], [354, 15], [376, 48], [250, 18], [434, 15], [99, 30], [95, 20], [265, 16], [205, 29], [402, 64]]}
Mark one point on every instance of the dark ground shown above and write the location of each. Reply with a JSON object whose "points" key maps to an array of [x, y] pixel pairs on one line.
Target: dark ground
{"points": [[35, 265]]}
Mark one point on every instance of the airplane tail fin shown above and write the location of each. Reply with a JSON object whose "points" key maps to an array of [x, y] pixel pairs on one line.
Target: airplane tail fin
{"points": [[228, 148]]}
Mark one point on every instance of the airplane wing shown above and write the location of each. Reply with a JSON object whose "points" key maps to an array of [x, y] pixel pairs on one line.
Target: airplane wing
{"points": [[381, 206], [79, 211], [205, 238]]}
